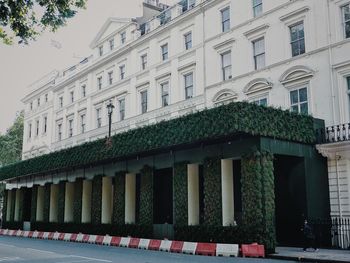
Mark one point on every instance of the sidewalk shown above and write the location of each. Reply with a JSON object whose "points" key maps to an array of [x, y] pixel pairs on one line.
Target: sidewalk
{"points": [[322, 255]]}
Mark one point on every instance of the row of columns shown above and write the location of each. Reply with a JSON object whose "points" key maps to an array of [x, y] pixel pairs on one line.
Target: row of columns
{"points": [[227, 192], [130, 198]]}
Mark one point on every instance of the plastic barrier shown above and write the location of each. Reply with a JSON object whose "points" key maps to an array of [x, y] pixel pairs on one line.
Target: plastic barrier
{"points": [[10, 233], [41, 235], [30, 234], [46, 235], [144, 243], [35, 234], [134, 242], [1, 232], [115, 241], [51, 234], [189, 248], [107, 240], [176, 246], [165, 245], [99, 240], [67, 236], [19, 233], [253, 250], [92, 239], [14, 233], [206, 249], [154, 244], [25, 233], [79, 237], [227, 250], [73, 237], [124, 242], [86, 238]]}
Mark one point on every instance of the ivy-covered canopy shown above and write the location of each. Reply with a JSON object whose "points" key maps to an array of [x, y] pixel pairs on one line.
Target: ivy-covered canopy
{"points": [[226, 120]]}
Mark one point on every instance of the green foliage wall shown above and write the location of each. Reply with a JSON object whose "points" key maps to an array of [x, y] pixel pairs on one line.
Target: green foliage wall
{"points": [[34, 203], [4, 208], [146, 196], [61, 201], [119, 198], [96, 202], [47, 192], [180, 194], [226, 120], [13, 205], [258, 199], [212, 191], [78, 200]]}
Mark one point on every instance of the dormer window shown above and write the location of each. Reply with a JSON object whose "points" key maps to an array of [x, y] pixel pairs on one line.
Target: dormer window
{"points": [[122, 37], [111, 44], [100, 51]]}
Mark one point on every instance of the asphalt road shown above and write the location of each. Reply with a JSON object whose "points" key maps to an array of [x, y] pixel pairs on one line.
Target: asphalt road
{"points": [[13, 249]]}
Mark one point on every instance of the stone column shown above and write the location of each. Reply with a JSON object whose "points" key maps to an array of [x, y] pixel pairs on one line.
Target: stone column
{"points": [[8, 208], [68, 204], [193, 194], [106, 213], [54, 203], [227, 192], [40, 203], [86, 206], [17, 204], [130, 198]]}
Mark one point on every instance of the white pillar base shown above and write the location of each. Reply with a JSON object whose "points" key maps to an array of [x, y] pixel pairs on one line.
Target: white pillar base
{"points": [[54, 203], [227, 192], [86, 202], [193, 194], [130, 198], [107, 201], [17, 204], [40, 203], [68, 203]]}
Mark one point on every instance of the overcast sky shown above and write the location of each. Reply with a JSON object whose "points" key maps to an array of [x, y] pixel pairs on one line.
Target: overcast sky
{"points": [[22, 65]]}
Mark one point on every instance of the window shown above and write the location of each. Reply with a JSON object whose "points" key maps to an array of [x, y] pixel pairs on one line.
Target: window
{"points": [[143, 95], [147, 27], [45, 124], [99, 82], [260, 101], [46, 97], [191, 4], [98, 118], [121, 103], [165, 93], [122, 71], [38, 102], [298, 101], [226, 65], [60, 101], [100, 51], [297, 39], [30, 131], [72, 96], [257, 7], [122, 37], [188, 85], [188, 40], [348, 89], [225, 19], [346, 20], [59, 132], [82, 123], [165, 53], [83, 91], [37, 128], [111, 44], [31, 106], [259, 53], [70, 127], [144, 61], [110, 77]]}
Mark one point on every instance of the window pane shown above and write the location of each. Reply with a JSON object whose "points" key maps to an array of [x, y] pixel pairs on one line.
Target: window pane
{"points": [[226, 59], [346, 13], [304, 108], [294, 97], [295, 49], [302, 46], [302, 95], [347, 29], [259, 46], [293, 33], [189, 80], [348, 82], [294, 108], [300, 29], [260, 61], [263, 102]]}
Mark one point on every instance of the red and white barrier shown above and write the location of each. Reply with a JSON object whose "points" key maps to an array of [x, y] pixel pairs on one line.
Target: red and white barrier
{"points": [[189, 248], [144, 243], [165, 245], [253, 250], [107, 240], [92, 239], [206, 249], [154, 244], [124, 241], [227, 250]]}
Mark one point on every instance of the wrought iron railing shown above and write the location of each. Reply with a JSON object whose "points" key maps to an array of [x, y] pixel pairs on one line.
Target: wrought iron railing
{"points": [[335, 133]]}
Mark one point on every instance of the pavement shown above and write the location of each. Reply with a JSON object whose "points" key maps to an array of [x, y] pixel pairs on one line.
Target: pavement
{"points": [[322, 255], [17, 249]]}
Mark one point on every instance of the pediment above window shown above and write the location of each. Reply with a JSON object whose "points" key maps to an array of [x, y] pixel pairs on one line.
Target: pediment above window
{"points": [[224, 96], [296, 73], [257, 85]]}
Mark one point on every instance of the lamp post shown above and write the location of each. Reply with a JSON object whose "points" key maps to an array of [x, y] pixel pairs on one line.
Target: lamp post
{"points": [[110, 108]]}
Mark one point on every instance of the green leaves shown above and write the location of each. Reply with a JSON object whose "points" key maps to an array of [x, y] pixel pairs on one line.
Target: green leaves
{"points": [[226, 120], [180, 194], [146, 196]]}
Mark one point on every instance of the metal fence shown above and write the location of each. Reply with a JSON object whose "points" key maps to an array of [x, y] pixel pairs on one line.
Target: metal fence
{"points": [[332, 233]]}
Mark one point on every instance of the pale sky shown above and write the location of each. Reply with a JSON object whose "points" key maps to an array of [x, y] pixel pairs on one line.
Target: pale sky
{"points": [[22, 65]]}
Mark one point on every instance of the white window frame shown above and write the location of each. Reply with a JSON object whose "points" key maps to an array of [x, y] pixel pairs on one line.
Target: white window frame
{"points": [[164, 55], [123, 37], [144, 91], [255, 55], [188, 44], [223, 68], [190, 86], [59, 130], [122, 70], [83, 90], [71, 95], [110, 77], [45, 119], [227, 21], [98, 114], [100, 51], [343, 19], [99, 83], [119, 100], [144, 61], [162, 85], [299, 39], [256, 7], [82, 118], [298, 88], [70, 127], [111, 44]]}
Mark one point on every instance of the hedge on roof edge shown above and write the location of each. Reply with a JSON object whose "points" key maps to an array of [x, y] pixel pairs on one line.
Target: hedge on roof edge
{"points": [[207, 124]]}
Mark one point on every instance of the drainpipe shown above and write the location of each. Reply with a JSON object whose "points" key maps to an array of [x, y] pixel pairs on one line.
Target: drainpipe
{"points": [[330, 60], [204, 60]]}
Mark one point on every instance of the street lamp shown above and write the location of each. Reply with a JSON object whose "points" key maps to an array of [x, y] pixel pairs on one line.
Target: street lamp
{"points": [[110, 108]]}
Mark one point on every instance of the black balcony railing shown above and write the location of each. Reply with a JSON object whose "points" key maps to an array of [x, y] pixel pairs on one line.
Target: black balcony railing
{"points": [[335, 133]]}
